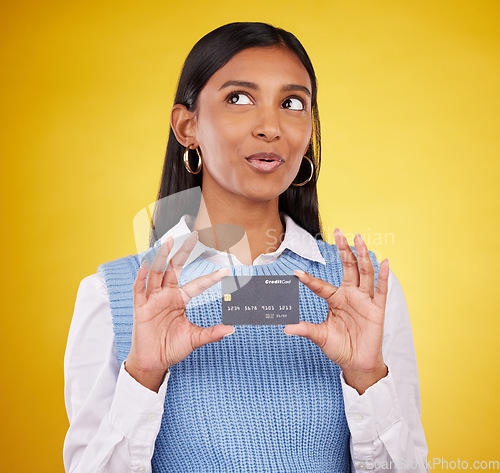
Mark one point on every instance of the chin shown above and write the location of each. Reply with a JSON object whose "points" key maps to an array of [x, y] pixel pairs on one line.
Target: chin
{"points": [[262, 192]]}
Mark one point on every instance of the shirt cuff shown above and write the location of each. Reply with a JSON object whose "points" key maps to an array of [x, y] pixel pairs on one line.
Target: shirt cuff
{"points": [[136, 411], [373, 412]]}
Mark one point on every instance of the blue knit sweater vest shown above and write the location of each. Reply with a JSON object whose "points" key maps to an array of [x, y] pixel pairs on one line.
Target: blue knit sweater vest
{"points": [[258, 400]]}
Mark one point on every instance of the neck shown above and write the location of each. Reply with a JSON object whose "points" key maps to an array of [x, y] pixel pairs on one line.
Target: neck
{"points": [[243, 228]]}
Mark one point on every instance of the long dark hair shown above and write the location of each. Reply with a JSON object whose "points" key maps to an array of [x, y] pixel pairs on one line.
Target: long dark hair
{"points": [[208, 55]]}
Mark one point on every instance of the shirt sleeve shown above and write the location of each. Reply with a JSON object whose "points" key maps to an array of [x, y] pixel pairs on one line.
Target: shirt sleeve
{"points": [[114, 420], [385, 425]]}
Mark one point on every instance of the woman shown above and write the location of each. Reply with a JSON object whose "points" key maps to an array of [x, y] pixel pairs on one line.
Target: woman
{"points": [[154, 380]]}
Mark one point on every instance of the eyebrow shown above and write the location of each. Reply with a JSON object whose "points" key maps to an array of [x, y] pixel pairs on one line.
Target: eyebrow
{"points": [[251, 85]]}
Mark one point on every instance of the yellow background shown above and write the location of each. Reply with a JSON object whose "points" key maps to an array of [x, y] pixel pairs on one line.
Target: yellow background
{"points": [[409, 102]]}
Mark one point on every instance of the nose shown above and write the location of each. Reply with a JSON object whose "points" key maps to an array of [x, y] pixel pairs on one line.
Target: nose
{"points": [[267, 124]]}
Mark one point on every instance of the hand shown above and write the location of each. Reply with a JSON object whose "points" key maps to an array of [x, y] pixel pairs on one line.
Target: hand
{"points": [[162, 335], [352, 333]]}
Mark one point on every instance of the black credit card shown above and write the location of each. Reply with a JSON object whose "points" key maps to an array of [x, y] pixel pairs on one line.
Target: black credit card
{"points": [[260, 300]]}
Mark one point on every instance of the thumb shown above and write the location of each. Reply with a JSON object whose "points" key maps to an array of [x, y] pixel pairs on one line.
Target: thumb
{"points": [[314, 332], [215, 333]]}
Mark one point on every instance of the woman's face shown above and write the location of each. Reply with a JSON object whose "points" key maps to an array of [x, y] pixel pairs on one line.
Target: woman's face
{"points": [[253, 124]]}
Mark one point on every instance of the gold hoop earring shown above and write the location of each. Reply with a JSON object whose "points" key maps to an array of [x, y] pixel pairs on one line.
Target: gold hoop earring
{"points": [[310, 177], [186, 161]]}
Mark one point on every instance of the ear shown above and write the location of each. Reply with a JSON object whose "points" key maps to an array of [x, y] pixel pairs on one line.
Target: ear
{"points": [[307, 147], [183, 123]]}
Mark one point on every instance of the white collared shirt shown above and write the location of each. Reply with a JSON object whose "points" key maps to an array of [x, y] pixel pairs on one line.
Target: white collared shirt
{"points": [[114, 420], [296, 239]]}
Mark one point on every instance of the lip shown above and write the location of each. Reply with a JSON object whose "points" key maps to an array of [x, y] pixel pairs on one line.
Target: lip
{"points": [[265, 162]]}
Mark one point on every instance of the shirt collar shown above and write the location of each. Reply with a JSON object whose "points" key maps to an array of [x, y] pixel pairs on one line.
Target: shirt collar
{"points": [[301, 242], [296, 239]]}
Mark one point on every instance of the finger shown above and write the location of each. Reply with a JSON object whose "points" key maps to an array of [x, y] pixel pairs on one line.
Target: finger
{"points": [[349, 261], [314, 332], [204, 335], [176, 263], [366, 271], [382, 284], [197, 286], [139, 286], [156, 272], [318, 286]]}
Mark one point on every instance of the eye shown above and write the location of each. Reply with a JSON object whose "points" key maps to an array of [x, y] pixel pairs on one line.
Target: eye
{"points": [[293, 103], [239, 98]]}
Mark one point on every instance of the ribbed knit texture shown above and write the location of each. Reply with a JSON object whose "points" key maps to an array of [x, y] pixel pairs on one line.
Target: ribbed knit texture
{"points": [[258, 400]]}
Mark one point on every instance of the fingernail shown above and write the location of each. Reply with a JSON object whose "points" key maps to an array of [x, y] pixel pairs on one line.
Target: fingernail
{"points": [[227, 334], [145, 263], [360, 236], [299, 272]]}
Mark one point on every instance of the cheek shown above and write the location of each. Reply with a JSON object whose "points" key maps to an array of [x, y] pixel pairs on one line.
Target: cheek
{"points": [[221, 138], [301, 138]]}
